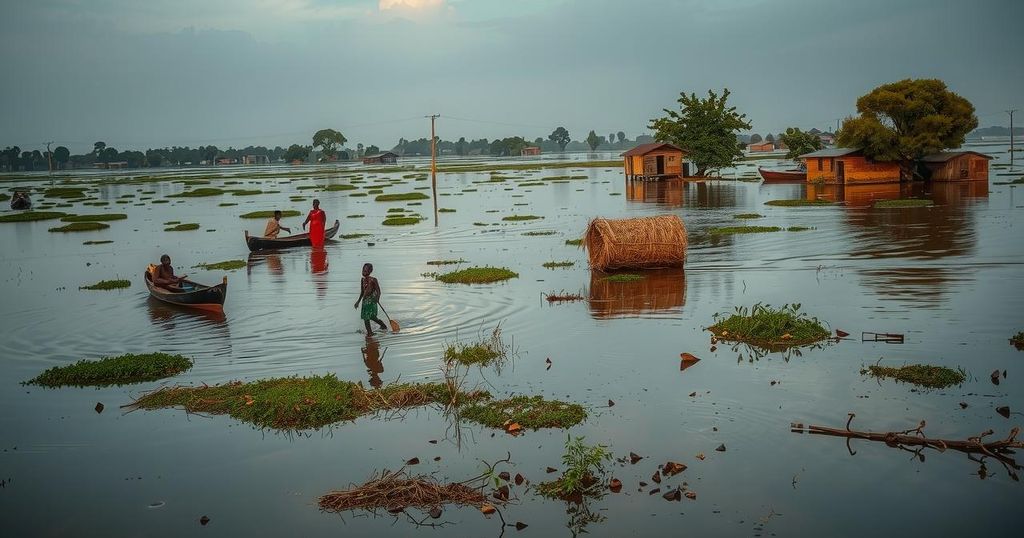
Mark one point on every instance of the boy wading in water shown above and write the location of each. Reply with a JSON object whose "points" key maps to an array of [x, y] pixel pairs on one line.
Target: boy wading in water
{"points": [[369, 294]]}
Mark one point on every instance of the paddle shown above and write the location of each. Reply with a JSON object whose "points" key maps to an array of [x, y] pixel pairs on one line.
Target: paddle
{"points": [[394, 324]]}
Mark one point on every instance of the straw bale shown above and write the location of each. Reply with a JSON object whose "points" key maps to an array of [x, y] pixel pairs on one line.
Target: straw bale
{"points": [[641, 243]]}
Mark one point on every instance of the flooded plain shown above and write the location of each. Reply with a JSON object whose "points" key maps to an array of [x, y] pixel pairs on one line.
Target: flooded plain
{"points": [[949, 277]]}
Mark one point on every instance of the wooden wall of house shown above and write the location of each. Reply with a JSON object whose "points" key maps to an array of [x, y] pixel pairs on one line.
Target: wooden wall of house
{"points": [[860, 170], [634, 165], [967, 167], [820, 169]]}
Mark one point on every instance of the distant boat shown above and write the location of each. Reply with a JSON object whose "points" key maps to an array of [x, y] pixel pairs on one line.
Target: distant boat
{"points": [[300, 240], [193, 295], [793, 175]]}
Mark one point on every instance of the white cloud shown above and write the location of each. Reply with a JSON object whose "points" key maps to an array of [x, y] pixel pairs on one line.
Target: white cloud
{"points": [[410, 4]]}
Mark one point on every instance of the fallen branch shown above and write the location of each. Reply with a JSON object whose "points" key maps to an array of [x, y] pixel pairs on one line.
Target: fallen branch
{"points": [[395, 491]]}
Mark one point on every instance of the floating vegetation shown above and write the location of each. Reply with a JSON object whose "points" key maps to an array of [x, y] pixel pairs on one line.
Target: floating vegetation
{"points": [[186, 227], [229, 265], [121, 370], [764, 326], [64, 192], [94, 218], [583, 465], [555, 265], [906, 202], [533, 412], [445, 210], [160, 202], [562, 297], [199, 193], [226, 204], [398, 491], [623, 277], [477, 275], [732, 230], [31, 216], [748, 216], [401, 197], [934, 377], [798, 203], [355, 194], [104, 242], [542, 233], [354, 236], [108, 285], [537, 165], [1018, 340], [532, 184], [269, 214], [574, 242], [520, 218], [799, 228], [483, 353], [396, 210], [446, 262], [302, 403], [246, 192], [401, 221], [356, 216], [81, 227], [172, 222], [340, 187]]}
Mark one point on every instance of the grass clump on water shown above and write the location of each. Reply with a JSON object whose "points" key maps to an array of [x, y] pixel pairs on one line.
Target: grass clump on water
{"points": [[446, 262], [186, 227], [624, 277], [400, 221], [229, 265], [799, 228], [574, 242], [64, 192], [925, 375], [121, 370], [555, 265], [81, 227], [199, 193], [583, 465], [401, 197], [533, 412], [1018, 340], [301, 403], [520, 218], [353, 236], [104, 242], [31, 216], [542, 233], [340, 187], [268, 214], [108, 285], [748, 216], [94, 218], [764, 326], [798, 203], [734, 230], [477, 275], [908, 202]]}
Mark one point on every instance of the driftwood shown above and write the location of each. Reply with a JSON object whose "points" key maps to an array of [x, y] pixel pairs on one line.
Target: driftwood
{"points": [[1000, 450]]}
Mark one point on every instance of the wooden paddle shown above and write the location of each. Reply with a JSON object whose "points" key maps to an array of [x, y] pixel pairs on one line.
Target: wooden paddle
{"points": [[394, 324]]}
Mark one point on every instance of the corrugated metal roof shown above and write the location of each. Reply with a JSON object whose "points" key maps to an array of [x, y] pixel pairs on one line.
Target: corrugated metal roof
{"points": [[944, 156], [830, 152], [644, 149]]}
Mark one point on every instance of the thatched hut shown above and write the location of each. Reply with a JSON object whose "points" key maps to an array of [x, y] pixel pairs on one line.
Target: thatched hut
{"points": [[659, 291], [641, 243]]}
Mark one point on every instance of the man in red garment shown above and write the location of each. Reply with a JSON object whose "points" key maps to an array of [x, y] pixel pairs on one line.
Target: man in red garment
{"points": [[316, 220]]}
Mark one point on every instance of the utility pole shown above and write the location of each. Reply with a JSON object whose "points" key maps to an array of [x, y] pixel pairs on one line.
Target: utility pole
{"points": [[49, 157], [1010, 112], [433, 163]]}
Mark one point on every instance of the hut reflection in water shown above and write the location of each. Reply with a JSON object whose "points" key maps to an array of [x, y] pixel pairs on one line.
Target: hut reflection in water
{"points": [[660, 291]]}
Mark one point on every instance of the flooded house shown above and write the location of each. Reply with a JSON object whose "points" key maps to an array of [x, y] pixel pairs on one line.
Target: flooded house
{"points": [[656, 160], [381, 158], [848, 166], [529, 151], [954, 166], [761, 147]]}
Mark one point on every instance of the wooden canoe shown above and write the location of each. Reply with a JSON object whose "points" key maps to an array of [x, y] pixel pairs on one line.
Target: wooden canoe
{"points": [[300, 240], [782, 176], [202, 297]]}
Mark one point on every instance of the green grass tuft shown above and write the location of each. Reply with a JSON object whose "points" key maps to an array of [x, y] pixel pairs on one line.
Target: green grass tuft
{"points": [[31, 216], [732, 230], [186, 227], [446, 210], [908, 202], [108, 285], [401, 197], [354, 236], [199, 193], [121, 370], [229, 265], [340, 187], [1018, 340], [748, 216], [81, 227], [446, 262], [477, 275], [798, 203], [538, 234], [764, 326], [934, 377], [401, 221], [104, 242], [520, 218], [555, 265], [574, 242], [64, 192], [799, 228], [529, 412], [94, 218]]}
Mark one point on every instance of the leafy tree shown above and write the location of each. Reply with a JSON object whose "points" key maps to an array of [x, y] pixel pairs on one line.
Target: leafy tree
{"points": [[26, 160], [98, 147], [705, 128], [906, 120], [61, 156], [209, 153], [296, 152], [461, 146], [328, 140], [593, 140], [154, 158], [10, 157], [800, 142], [755, 138], [108, 155], [769, 138], [621, 136], [611, 138], [561, 137], [359, 149]]}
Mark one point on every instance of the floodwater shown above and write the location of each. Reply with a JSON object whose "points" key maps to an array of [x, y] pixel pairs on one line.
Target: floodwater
{"points": [[950, 278]]}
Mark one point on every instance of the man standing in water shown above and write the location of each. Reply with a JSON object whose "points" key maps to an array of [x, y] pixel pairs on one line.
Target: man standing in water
{"points": [[316, 220], [369, 294], [274, 226]]}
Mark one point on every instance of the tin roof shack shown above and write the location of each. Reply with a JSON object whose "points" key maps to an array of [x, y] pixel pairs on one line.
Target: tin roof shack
{"points": [[529, 151], [955, 166], [381, 158], [761, 147], [848, 166], [654, 161]]}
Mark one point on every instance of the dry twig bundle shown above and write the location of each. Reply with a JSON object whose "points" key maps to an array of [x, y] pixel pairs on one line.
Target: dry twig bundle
{"points": [[645, 243], [397, 490]]}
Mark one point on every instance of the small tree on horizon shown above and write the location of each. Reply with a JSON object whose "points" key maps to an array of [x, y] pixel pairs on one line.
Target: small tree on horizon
{"points": [[593, 140], [755, 138], [328, 140], [705, 128], [561, 137], [621, 136], [799, 142]]}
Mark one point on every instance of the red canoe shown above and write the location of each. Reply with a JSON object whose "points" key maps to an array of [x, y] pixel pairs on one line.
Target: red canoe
{"points": [[782, 176]]}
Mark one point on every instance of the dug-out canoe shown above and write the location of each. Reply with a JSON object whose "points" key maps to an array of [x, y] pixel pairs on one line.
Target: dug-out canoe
{"points": [[210, 298], [300, 240]]}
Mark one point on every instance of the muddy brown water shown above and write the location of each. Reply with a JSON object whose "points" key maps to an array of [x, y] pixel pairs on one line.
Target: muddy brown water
{"points": [[949, 277]]}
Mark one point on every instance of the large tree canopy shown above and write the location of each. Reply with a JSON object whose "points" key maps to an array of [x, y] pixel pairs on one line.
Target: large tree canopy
{"points": [[560, 136], [800, 142], [705, 128], [906, 120], [328, 140]]}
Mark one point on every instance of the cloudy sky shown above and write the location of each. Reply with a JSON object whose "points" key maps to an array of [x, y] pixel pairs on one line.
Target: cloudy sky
{"points": [[154, 73]]}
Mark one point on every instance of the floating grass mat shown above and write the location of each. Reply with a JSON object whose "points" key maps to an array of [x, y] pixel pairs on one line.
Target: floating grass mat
{"points": [[354, 236], [446, 210], [563, 297], [798, 203], [733, 230], [199, 193], [520, 218], [924, 375], [356, 216], [396, 491], [481, 353], [250, 192], [477, 275], [94, 218], [401, 221], [541, 233], [31, 216], [226, 204], [301, 403], [1017, 340], [229, 265], [108, 285], [748, 216], [121, 370], [556, 265], [574, 242], [799, 228], [907, 202], [340, 187], [81, 227], [186, 227], [104, 242], [648, 242], [269, 214], [64, 192], [401, 197], [446, 262], [533, 412], [767, 327]]}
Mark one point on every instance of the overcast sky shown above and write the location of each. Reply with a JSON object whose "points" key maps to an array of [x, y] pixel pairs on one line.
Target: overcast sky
{"points": [[155, 73]]}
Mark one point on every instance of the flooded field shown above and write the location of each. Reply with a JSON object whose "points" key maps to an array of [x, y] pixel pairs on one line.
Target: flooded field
{"points": [[949, 277]]}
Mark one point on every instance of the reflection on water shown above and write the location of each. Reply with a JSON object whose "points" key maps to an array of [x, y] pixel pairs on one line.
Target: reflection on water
{"points": [[167, 316], [862, 195], [373, 359], [318, 268], [660, 291], [668, 192]]}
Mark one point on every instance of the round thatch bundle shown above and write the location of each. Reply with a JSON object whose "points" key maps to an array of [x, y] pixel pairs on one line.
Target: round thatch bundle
{"points": [[643, 243]]}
